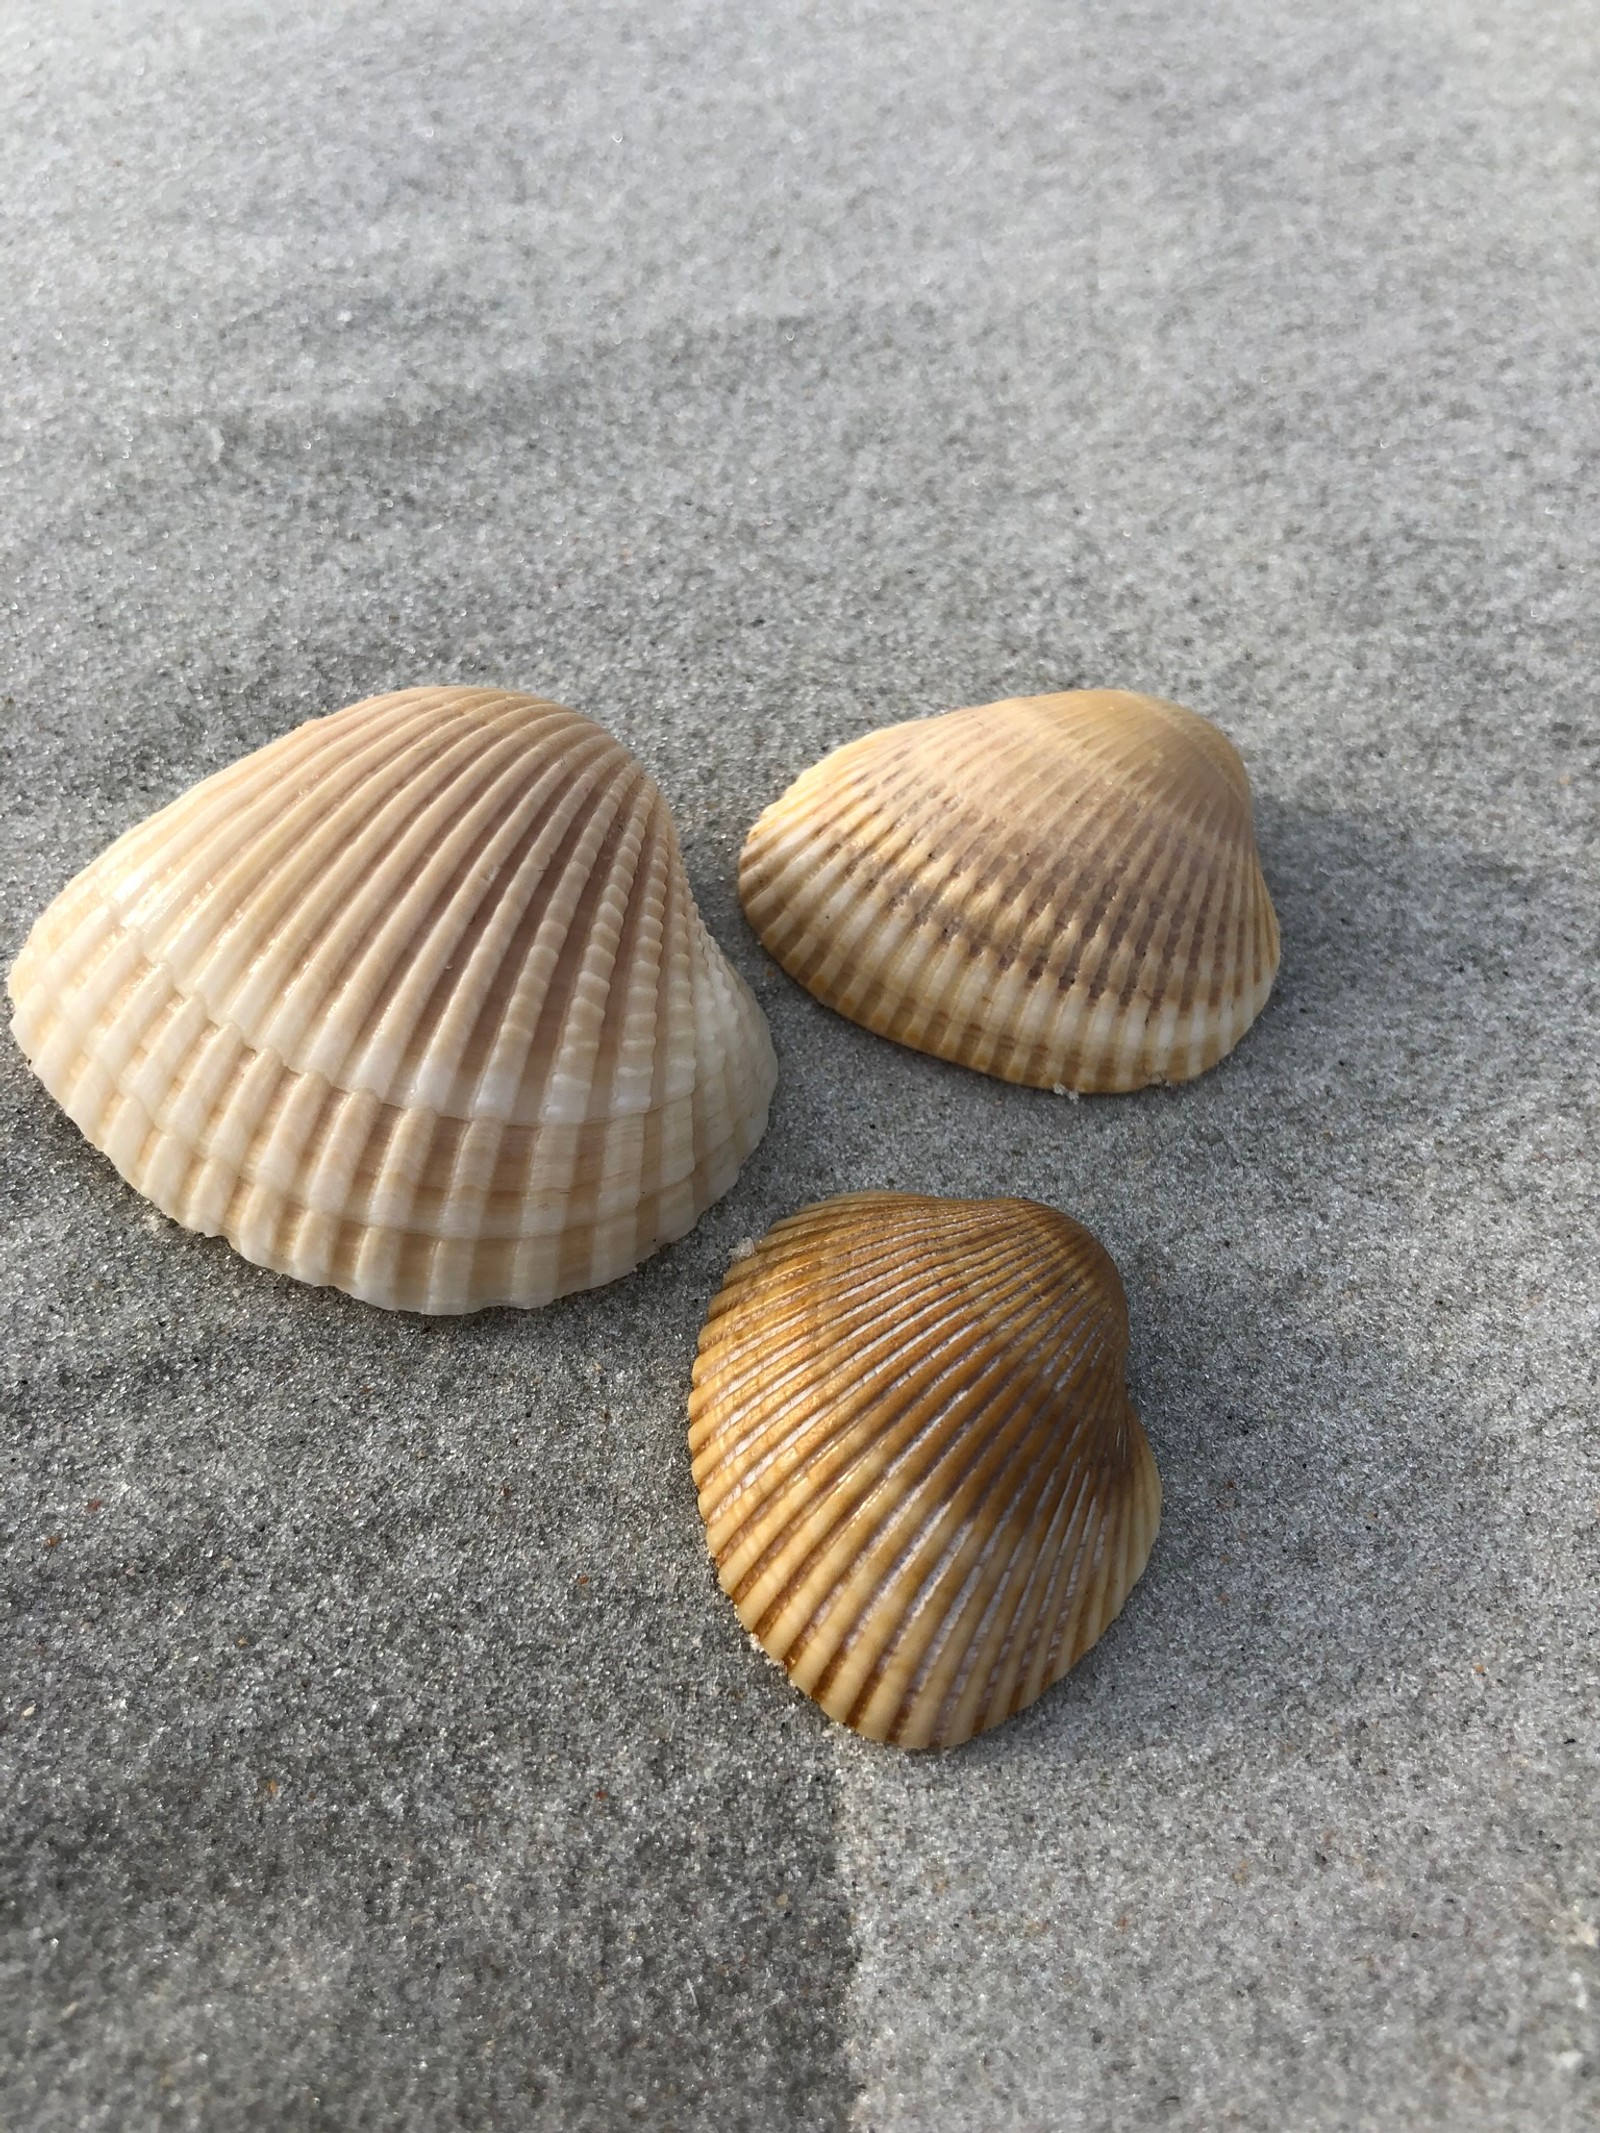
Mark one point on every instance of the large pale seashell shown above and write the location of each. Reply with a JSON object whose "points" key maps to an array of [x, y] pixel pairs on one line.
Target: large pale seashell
{"points": [[1060, 890], [923, 1485], [414, 1001]]}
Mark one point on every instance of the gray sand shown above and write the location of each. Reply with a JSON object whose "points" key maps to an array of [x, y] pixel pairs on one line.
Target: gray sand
{"points": [[377, 1750]]}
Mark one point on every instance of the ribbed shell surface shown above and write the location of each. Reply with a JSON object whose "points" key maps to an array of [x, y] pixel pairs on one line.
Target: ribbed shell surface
{"points": [[1058, 890], [414, 1001], [923, 1484]]}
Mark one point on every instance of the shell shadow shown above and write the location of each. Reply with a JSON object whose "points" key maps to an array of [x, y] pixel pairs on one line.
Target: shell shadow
{"points": [[1323, 1342], [1371, 908]]}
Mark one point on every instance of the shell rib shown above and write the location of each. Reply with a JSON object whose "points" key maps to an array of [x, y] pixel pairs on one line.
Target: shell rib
{"points": [[1058, 890], [923, 1485], [414, 1001]]}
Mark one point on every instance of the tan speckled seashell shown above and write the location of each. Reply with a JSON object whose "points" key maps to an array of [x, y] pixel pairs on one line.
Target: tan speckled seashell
{"points": [[414, 1001], [923, 1484], [1059, 890]]}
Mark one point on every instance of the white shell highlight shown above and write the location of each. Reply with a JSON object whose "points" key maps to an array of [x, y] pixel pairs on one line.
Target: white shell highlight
{"points": [[414, 1001]]}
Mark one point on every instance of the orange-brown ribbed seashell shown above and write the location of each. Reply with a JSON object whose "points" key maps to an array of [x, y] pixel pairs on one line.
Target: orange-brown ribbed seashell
{"points": [[1059, 890], [923, 1484], [414, 1001]]}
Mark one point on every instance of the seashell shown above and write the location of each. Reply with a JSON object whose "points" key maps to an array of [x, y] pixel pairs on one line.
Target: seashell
{"points": [[1059, 890], [414, 1001], [923, 1484]]}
